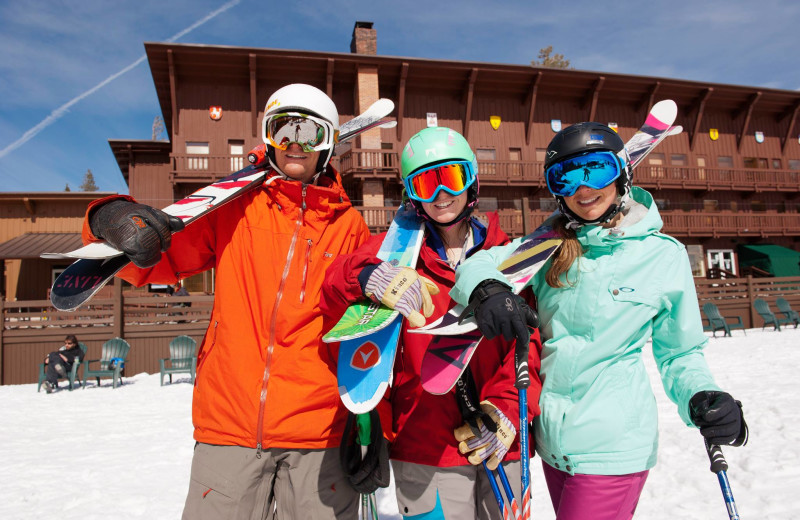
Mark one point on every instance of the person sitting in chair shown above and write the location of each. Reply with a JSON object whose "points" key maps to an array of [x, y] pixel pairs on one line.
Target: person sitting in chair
{"points": [[58, 363]]}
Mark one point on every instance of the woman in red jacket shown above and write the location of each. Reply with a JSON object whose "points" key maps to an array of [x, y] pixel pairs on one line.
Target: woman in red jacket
{"points": [[435, 458]]}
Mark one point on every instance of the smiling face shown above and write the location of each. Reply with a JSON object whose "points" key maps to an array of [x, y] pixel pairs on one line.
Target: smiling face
{"points": [[296, 163], [445, 207], [590, 204]]}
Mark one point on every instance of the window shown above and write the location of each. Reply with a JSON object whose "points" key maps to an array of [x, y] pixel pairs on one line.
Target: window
{"points": [[487, 204], [196, 163], [678, 159], [755, 162], [725, 161], [656, 161], [236, 149], [548, 204], [696, 260], [794, 164], [541, 153], [486, 161], [710, 205], [662, 204], [721, 259], [701, 167], [758, 205], [515, 155]]}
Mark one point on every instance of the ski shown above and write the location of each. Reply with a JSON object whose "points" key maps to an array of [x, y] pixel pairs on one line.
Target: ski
{"points": [[369, 332], [444, 361], [98, 262], [401, 245]]}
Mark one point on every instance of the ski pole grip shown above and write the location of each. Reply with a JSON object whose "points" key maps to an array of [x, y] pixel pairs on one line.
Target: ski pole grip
{"points": [[715, 456], [523, 378]]}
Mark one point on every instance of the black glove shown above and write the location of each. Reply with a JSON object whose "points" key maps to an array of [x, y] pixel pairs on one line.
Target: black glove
{"points": [[498, 311], [139, 231], [719, 417], [369, 471]]}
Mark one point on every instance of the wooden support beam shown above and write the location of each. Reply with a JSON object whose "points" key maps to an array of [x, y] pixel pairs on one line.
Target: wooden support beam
{"points": [[591, 97], [253, 96], [468, 94], [401, 103], [790, 128], [329, 79], [746, 123], [173, 94], [531, 102], [700, 104], [30, 205], [649, 100]]}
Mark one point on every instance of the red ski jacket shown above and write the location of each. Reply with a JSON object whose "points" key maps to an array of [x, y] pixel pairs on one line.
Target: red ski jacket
{"points": [[423, 423], [264, 376]]}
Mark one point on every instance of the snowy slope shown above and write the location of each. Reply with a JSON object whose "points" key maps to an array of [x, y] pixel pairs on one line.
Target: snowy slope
{"points": [[125, 453]]}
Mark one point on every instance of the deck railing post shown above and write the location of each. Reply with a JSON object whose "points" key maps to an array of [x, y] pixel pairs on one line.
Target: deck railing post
{"points": [[750, 299]]}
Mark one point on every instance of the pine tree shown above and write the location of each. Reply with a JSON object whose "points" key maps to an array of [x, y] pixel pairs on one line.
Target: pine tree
{"points": [[158, 128], [88, 182], [66, 188], [556, 61]]}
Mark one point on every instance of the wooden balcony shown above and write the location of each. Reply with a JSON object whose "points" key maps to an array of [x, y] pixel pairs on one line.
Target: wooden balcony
{"points": [[204, 168], [717, 179], [680, 224], [363, 163], [368, 164], [714, 224]]}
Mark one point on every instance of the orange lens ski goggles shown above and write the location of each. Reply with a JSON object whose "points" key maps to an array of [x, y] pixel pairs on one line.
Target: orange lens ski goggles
{"points": [[453, 177]]}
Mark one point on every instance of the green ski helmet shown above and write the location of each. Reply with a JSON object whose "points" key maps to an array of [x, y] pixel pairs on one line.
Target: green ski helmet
{"points": [[438, 146]]}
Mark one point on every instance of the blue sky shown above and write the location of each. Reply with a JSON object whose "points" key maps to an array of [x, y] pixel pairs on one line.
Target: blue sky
{"points": [[56, 53]]}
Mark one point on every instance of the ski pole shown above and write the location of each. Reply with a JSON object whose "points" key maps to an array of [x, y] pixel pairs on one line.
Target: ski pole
{"points": [[720, 466], [509, 493], [496, 490], [522, 382]]}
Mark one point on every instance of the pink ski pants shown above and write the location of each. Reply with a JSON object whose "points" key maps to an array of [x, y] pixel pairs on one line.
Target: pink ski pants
{"points": [[593, 497]]}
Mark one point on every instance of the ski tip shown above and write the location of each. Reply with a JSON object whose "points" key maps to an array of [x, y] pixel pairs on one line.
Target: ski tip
{"points": [[365, 406], [675, 130]]}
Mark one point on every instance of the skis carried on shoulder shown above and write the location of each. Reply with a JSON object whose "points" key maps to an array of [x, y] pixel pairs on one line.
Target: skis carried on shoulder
{"points": [[368, 331], [98, 262], [447, 358]]}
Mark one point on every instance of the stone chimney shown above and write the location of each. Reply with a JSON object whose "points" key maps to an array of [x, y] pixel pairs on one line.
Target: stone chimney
{"points": [[365, 40]]}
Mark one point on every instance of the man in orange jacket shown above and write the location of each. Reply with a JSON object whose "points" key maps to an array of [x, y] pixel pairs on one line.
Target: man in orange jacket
{"points": [[267, 415]]}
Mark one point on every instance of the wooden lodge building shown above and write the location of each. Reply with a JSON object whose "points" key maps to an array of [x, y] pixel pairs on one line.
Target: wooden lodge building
{"points": [[728, 187]]}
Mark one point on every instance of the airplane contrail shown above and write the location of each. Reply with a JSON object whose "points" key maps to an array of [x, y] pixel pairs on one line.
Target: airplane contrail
{"points": [[63, 109]]}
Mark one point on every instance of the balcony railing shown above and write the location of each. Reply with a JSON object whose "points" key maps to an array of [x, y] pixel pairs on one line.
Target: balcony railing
{"points": [[385, 163], [368, 163], [681, 224]]}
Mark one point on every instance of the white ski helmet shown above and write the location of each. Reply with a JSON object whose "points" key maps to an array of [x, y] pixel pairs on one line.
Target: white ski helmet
{"points": [[303, 100]]}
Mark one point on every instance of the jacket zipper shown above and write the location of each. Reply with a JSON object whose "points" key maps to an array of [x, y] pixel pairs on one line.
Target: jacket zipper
{"points": [[305, 271], [273, 326]]}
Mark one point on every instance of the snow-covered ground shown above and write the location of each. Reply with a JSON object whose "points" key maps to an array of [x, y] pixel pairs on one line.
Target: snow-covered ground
{"points": [[125, 453]]}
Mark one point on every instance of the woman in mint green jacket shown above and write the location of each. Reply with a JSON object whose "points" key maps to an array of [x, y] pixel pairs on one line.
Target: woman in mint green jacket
{"points": [[615, 283]]}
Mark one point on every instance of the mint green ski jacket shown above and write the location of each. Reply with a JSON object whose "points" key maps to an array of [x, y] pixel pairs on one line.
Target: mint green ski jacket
{"points": [[633, 284]]}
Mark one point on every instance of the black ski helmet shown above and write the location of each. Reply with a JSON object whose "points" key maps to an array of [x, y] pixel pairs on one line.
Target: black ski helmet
{"points": [[584, 137]]}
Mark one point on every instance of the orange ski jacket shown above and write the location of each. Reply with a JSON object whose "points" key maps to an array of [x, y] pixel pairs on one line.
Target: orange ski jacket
{"points": [[264, 377]]}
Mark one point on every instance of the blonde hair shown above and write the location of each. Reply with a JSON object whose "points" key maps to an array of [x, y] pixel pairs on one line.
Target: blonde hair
{"points": [[566, 255]]}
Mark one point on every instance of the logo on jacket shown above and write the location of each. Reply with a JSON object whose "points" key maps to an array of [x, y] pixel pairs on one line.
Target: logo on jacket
{"points": [[366, 356]]}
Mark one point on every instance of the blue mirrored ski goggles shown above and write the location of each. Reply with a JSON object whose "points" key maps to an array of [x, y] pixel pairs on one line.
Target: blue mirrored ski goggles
{"points": [[453, 177], [593, 169]]}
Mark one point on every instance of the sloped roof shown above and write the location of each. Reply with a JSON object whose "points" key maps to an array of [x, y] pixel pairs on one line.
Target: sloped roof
{"points": [[31, 245]]}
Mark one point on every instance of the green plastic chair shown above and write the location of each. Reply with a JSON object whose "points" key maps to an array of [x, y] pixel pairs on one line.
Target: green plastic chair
{"points": [[113, 348], [718, 322], [72, 375], [763, 310], [182, 358], [786, 310]]}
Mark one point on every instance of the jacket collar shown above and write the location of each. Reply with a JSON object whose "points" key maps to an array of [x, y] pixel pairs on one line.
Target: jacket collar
{"points": [[327, 196], [640, 218]]}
